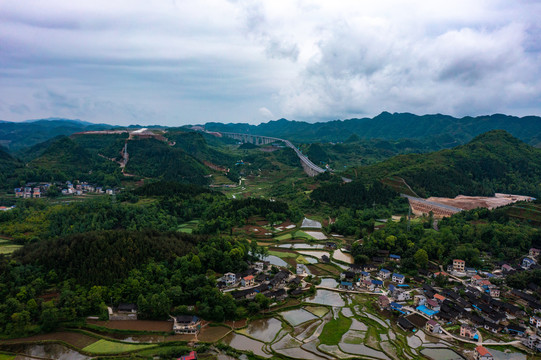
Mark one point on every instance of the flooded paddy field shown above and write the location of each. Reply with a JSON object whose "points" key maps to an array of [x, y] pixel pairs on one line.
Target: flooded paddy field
{"points": [[326, 325]]}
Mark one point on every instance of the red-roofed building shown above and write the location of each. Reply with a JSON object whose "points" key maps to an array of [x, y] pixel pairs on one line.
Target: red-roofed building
{"points": [[248, 280], [191, 356], [481, 353], [459, 265], [439, 298]]}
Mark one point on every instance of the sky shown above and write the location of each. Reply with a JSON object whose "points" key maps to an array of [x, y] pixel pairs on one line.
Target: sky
{"points": [[179, 62]]}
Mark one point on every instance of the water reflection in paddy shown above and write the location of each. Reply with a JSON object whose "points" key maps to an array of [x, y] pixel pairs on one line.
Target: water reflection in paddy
{"points": [[47, 351], [326, 297], [316, 254], [441, 354], [242, 342], [263, 329], [302, 246], [329, 282], [138, 338], [298, 316], [275, 260], [361, 349], [500, 355]]}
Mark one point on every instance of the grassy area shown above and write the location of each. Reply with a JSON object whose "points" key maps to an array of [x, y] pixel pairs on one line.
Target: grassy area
{"points": [[302, 235], [8, 249], [301, 260], [282, 254], [111, 347], [6, 357], [334, 330], [319, 311], [283, 237]]}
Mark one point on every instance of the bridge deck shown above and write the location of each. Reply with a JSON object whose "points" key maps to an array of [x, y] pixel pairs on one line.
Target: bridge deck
{"points": [[314, 169]]}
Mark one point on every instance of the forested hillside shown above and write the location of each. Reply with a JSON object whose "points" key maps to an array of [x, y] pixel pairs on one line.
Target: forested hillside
{"points": [[492, 162], [65, 160], [8, 165], [155, 159], [394, 126]]}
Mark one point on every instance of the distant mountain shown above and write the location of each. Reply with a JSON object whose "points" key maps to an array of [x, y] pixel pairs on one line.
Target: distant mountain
{"points": [[394, 126], [492, 162], [73, 121], [16, 135]]}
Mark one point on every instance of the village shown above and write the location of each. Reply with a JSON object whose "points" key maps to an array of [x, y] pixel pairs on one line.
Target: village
{"points": [[469, 309], [41, 189]]}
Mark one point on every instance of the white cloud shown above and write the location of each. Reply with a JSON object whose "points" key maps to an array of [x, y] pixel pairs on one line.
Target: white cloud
{"points": [[215, 60]]}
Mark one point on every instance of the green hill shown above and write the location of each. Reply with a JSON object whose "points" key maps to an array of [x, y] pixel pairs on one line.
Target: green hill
{"points": [[195, 144], [492, 162], [155, 159], [63, 160]]}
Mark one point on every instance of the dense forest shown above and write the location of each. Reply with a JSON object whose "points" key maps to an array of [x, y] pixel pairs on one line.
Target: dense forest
{"points": [[158, 271], [356, 194]]}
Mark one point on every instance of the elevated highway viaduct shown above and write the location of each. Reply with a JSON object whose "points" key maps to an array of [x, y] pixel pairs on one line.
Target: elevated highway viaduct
{"points": [[308, 166]]}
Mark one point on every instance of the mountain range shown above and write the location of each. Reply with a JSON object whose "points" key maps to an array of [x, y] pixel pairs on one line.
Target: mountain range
{"points": [[454, 131]]}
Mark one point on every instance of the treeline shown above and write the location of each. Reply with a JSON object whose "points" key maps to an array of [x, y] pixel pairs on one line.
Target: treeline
{"points": [[67, 279]]}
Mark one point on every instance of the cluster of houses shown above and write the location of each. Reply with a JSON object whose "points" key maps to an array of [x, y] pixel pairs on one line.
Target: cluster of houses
{"points": [[473, 303], [259, 279], [38, 190]]}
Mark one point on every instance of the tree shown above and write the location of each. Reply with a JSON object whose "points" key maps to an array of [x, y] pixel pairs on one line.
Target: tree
{"points": [[49, 317], [421, 258]]}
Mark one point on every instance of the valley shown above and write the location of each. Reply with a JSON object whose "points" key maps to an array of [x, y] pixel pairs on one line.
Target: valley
{"points": [[260, 248]]}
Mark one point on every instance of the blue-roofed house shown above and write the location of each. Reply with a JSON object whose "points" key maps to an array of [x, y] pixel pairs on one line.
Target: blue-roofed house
{"points": [[384, 274], [394, 257], [398, 278], [365, 275], [391, 287], [377, 283], [527, 263], [396, 306], [346, 285]]}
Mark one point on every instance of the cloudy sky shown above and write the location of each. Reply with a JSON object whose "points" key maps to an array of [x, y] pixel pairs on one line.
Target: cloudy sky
{"points": [[177, 62]]}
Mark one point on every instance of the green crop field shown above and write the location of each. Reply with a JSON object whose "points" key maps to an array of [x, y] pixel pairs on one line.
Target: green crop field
{"points": [[334, 329], [111, 347], [8, 249], [6, 357]]}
